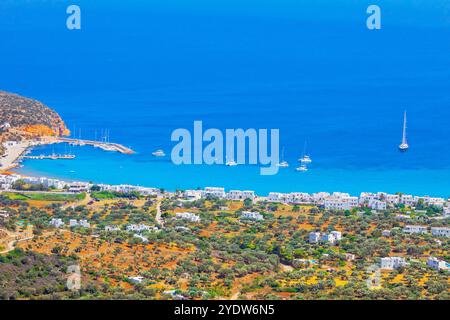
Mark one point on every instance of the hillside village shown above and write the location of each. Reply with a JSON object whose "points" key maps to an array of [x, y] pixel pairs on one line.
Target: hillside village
{"points": [[138, 242]]}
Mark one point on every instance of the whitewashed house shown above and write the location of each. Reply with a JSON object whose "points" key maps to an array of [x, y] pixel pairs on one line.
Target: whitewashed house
{"points": [[391, 263], [189, 216], [437, 264], [214, 191], [241, 195], [440, 232], [314, 237], [252, 215], [415, 229], [58, 223]]}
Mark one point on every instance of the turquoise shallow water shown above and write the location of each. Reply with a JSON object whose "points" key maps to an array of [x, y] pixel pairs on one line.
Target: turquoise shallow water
{"points": [[313, 71]]}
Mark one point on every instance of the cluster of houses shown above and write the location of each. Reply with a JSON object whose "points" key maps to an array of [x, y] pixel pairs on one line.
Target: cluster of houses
{"points": [[435, 231], [59, 223], [392, 263], [330, 201], [331, 238], [7, 181], [81, 223]]}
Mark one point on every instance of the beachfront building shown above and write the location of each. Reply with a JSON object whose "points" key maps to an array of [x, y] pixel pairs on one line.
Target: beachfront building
{"points": [[415, 229], [437, 264], [446, 212], [252, 215], [6, 181], [78, 187], [440, 232], [189, 216], [392, 199], [277, 197], [407, 200], [214, 192], [57, 223], [192, 195], [314, 237], [377, 204], [391, 263], [301, 198], [241, 195], [9, 144], [366, 197], [341, 201]]}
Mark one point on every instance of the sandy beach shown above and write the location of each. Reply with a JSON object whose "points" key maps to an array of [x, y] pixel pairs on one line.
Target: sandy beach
{"points": [[12, 153]]}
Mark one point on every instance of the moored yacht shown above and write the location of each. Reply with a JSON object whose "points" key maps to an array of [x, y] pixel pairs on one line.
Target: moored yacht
{"points": [[306, 158], [283, 163], [158, 153], [302, 168], [231, 163]]}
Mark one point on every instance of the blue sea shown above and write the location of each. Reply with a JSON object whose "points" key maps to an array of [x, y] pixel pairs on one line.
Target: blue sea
{"points": [[312, 69]]}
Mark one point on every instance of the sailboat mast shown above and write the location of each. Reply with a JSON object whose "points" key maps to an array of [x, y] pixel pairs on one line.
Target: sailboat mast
{"points": [[404, 129]]}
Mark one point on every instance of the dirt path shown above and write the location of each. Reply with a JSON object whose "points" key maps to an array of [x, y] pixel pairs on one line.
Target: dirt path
{"points": [[158, 217], [14, 237]]}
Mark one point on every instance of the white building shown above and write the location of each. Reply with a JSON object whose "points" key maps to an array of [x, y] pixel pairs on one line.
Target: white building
{"points": [[214, 191], [446, 211], [111, 228], [337, 235], [391, 263], [252, 215], [407, 200], [440, 232], [193, 195], [437, 264], [187, 216], [415, 229], [58, 223], [81, 223], [341, 202], [314, 237], [138, 227], [377, 204], [386, 233], [241, 195], [277, 197], [328, 238], [392, 198]]}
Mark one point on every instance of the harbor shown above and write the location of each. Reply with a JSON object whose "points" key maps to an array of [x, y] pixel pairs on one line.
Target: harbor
{"points": [[107, 146]]}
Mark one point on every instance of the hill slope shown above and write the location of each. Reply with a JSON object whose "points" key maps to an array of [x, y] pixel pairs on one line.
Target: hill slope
{"points": [[29, 116]]}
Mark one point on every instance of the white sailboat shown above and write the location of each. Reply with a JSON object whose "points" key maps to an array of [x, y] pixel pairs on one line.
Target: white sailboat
{"points": [[302, 168], [159, 153], [283, 164], [404, 145], [306, 158]]}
